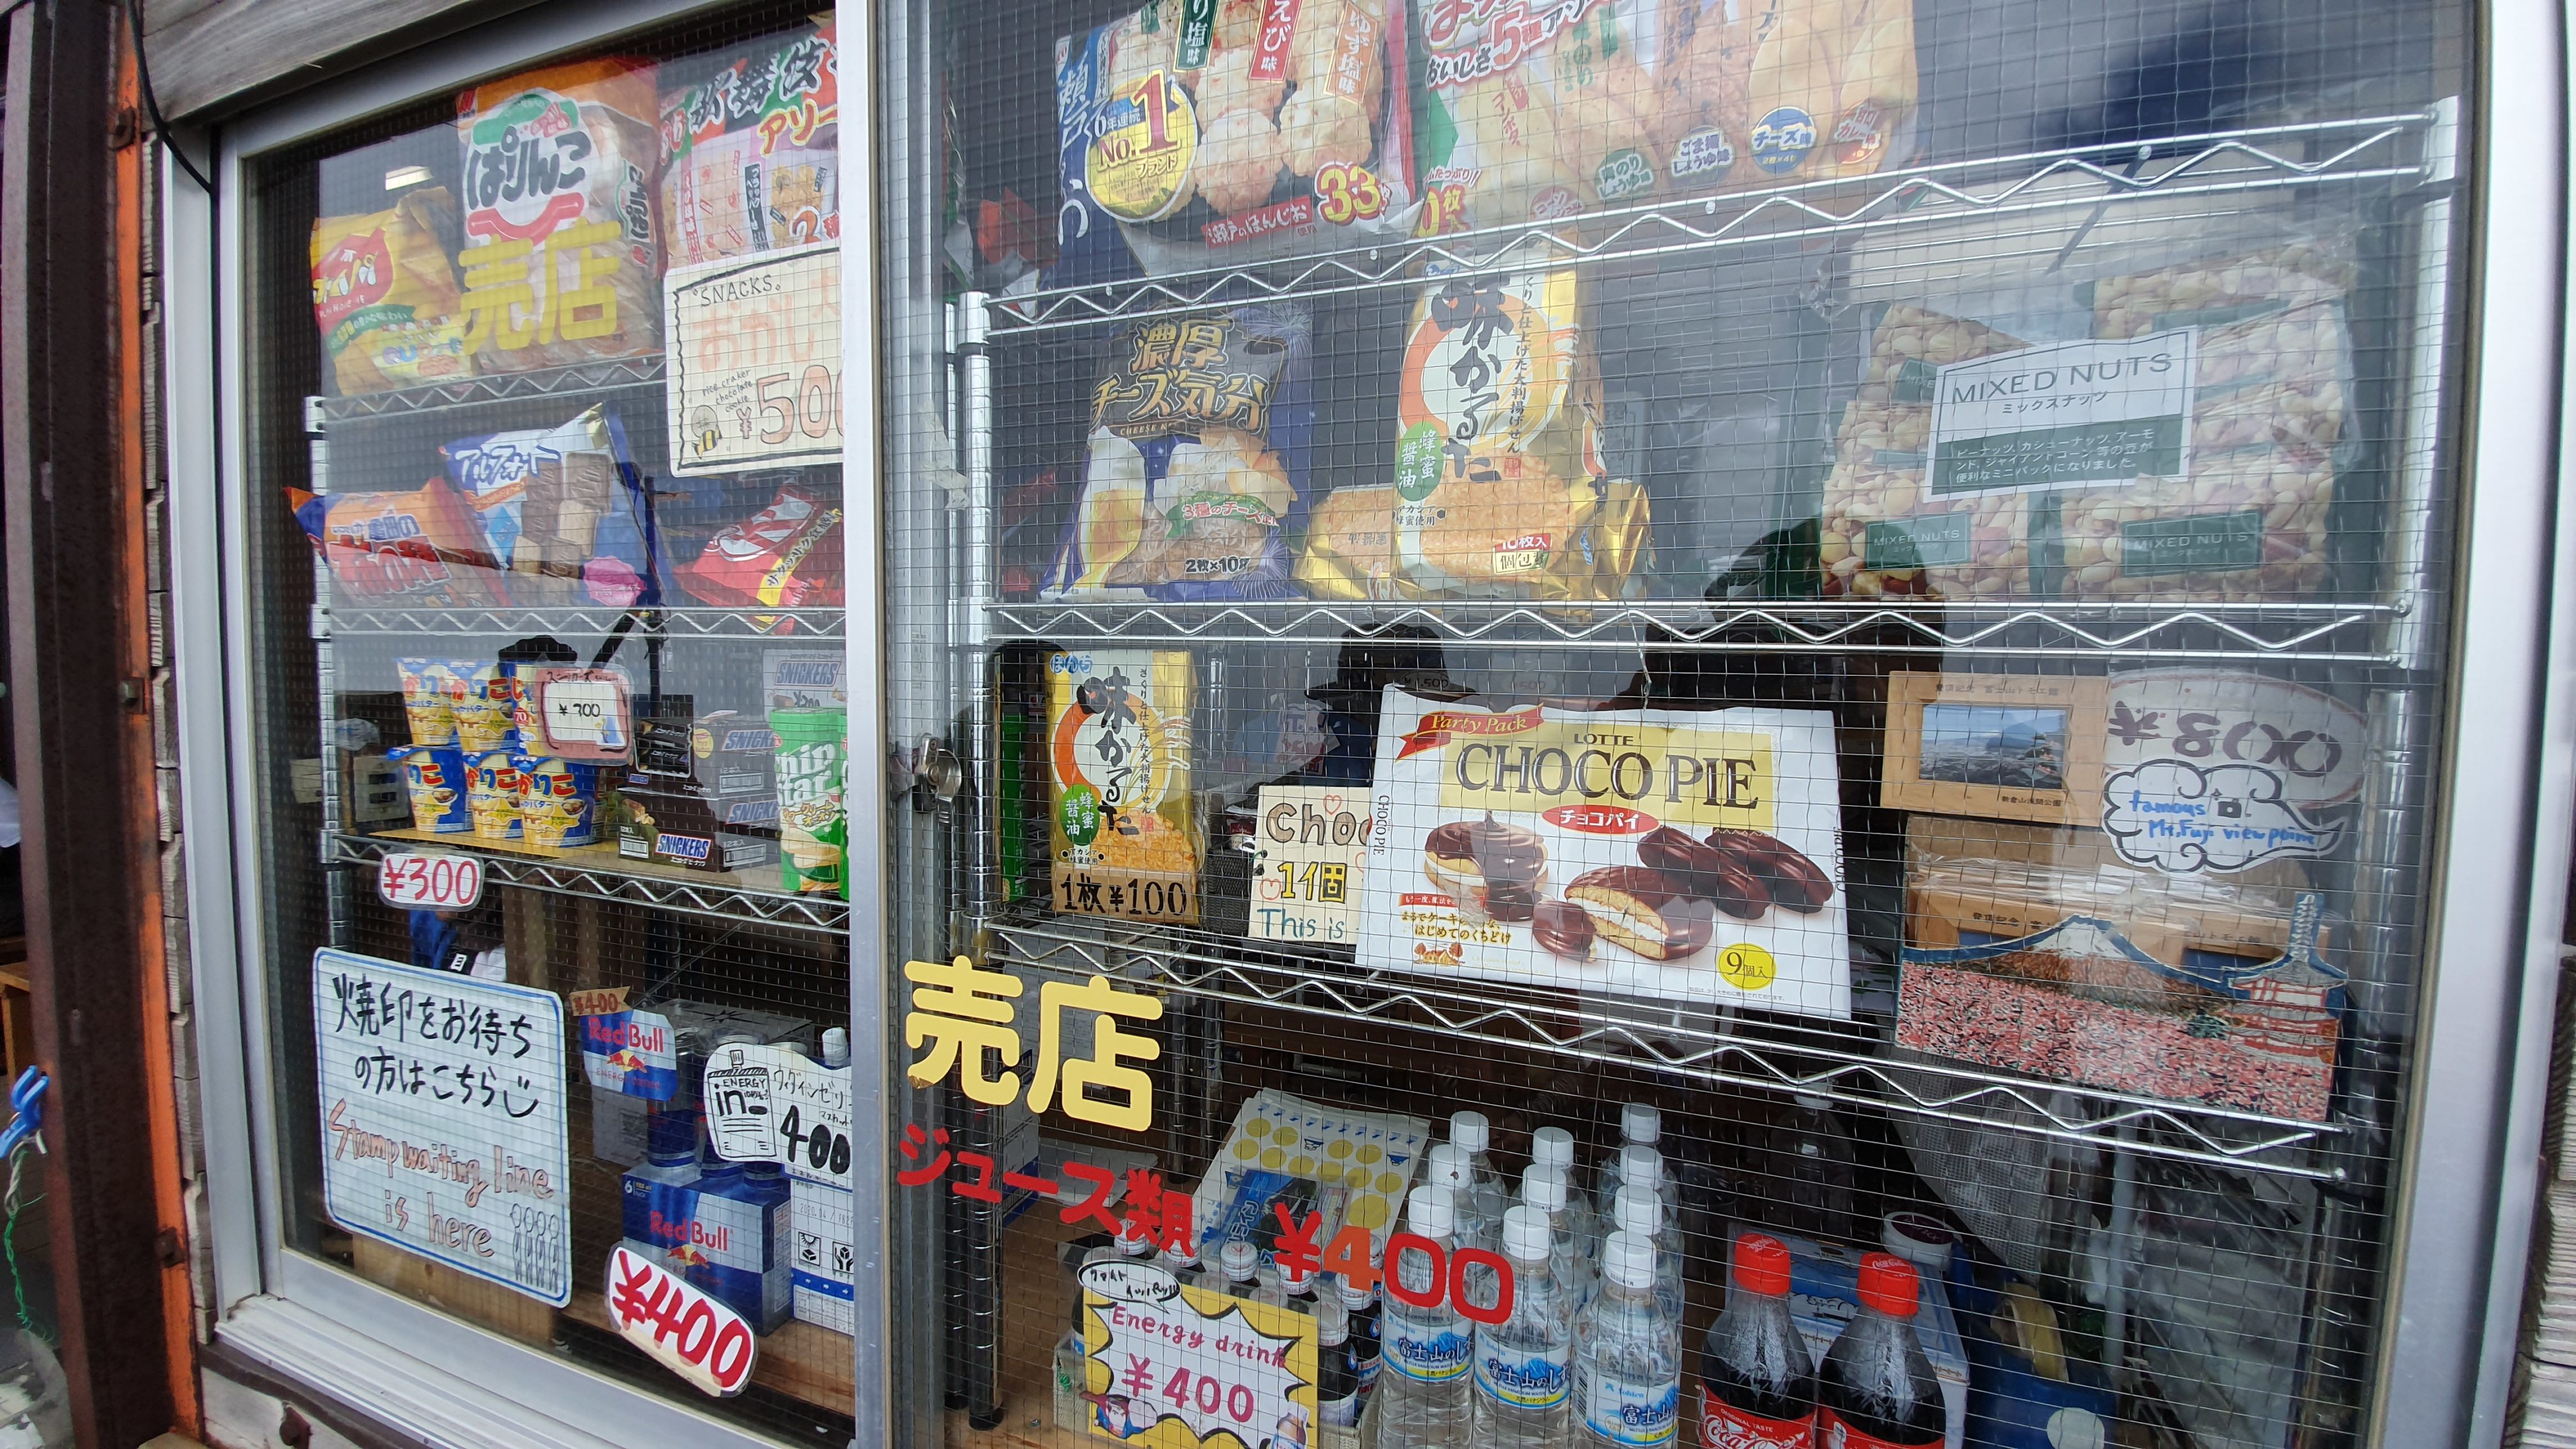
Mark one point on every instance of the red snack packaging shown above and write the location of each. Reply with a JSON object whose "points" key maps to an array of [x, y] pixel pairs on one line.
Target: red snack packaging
{"points": [[786, 556], [421, 547]]}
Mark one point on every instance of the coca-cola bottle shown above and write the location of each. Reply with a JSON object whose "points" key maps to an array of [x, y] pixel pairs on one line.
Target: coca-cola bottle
{"points": [[1876, 1390], [1757, 1386]]}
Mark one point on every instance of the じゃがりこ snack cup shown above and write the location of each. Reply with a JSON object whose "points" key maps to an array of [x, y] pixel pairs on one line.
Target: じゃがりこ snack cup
{"points": [[430, 691], [436, 778], [813, 835], [492, 794], [558, 801], [486, 709]]}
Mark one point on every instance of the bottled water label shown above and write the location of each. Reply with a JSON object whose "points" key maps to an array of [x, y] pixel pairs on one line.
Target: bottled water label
{"points": [[1624, 1411], [1439, 1358], [1519, 1376]]}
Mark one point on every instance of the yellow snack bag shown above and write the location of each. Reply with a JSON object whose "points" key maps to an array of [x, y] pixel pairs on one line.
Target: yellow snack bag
{"points": [[1119, 827], [385, 295]]}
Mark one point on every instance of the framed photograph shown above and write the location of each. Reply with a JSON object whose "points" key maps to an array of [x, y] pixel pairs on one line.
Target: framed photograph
{"points": [[2001, 746]]}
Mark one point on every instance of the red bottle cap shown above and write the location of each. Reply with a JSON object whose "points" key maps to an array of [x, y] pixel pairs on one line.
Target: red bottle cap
{"points": [[1761, 1265], [1887, 1285]]}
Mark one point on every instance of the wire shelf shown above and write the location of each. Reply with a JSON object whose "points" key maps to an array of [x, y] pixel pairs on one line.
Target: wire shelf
{"points": [[1841, 1061], [2341, 633], [581, 377], [683, 623], [2211, 164], [598, 874]]}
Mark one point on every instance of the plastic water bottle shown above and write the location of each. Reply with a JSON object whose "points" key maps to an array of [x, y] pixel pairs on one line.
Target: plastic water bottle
{"points": [[1816, 1159], [1876, 1387], [1627, 1354], [1449, 1166], [1554, 1147], [1643, 1168], [1524, 1365], [1639, 1213], [1641, 1124], [1474, 1136], [1423, 1382], [1572, 1255], [1240, 1262], [1757, 1386]]}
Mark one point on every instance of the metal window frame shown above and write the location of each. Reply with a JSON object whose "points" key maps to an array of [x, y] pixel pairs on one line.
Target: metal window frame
{"points": [[306, 1320]]}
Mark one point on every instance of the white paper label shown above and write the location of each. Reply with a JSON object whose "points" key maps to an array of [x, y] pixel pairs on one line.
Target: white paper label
{"points": [[684, 1330], [1311, 847], [586, 712], [2069, 413], [2182, 819], [773, 1104], [432, 882], [755, 360]]}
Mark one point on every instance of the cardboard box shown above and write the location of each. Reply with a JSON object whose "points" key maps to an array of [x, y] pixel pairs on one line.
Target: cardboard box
{"points": [[686, 828], [723, 752]]}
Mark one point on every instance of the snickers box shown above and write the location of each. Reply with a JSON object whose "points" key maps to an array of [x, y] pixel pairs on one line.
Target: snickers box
{"points": [[724, 752], [684, 826]]}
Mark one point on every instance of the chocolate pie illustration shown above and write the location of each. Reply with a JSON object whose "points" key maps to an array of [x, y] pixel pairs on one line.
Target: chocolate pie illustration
{"points": [[1643, 909], [1794, 882], [1488, 867]]}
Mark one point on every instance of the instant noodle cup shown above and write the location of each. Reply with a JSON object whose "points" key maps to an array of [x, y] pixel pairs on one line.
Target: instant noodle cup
{"points": [[433, 691], [438, 783], [486, 708], [492, 794], [558, 801], [813, 830]]}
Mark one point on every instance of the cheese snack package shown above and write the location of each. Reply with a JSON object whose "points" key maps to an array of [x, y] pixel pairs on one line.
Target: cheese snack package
{"points": [[1197, 133], [385, 295], [1500, 489], [1197, 472], [751, 155], [420, 547], [1666, 855], [1120, 828], [1616, 102], [562, 260]]}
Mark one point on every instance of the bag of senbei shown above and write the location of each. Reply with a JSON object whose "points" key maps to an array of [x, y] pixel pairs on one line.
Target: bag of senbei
{"points": [[751, 155], [385, 295], [562, 261], [1119, 824], [1500, 490]]}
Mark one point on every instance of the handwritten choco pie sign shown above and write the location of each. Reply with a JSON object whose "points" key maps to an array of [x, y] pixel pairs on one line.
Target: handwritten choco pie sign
{"points": [[1669, 854]]}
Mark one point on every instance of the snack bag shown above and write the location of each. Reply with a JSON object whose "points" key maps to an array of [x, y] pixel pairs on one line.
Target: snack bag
{"points": [[543, 494], [1120, 828], [1528, 117], [1199, 453], [813, 831], [1499, 481], [561, 260], [786, 556], [417, 548], [385, 295], [1663, 854], [750, 156], [1350, 545], [1216, 131]]}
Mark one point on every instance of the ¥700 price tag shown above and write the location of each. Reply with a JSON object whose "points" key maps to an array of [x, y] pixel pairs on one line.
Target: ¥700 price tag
{"points": [[430, 882]]}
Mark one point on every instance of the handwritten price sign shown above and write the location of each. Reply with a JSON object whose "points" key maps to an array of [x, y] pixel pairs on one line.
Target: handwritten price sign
{"points": [[430, 882], [681, 1328], [772, 1104], [1222, 1370], [755, 360]]}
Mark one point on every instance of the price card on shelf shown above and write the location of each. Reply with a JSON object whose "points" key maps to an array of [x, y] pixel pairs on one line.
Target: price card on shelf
{"points": [[679, 1327], [585, 714], [1205, 1368], [443, 1118], [430, 882], [755, 360], [1310, 844], [773, 1104]]}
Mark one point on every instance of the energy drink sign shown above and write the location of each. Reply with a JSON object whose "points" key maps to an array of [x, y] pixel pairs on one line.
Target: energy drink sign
{"points": [[443, 1124], [1182, 1367]]}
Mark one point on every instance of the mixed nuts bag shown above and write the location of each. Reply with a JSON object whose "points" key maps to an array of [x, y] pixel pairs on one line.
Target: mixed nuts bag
{"points": [[1119, 824], [1530, 116], [751, 156], [1200, 434], [562, 261], [1665, 854], [1203, 132], [385, 295]]}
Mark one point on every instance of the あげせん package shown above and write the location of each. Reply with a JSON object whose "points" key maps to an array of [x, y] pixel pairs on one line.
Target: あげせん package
{"points": [[1119, 826], [420, 547], [385, 296], [1663, 854], [1200, 435], [751, 155], [562, 261], [1204, 132]]}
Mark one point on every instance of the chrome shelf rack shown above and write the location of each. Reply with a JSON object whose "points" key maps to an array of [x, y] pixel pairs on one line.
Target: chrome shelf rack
{"points": [[2212, 165], [582, 877], [1842, 1061], [581, 377], [670, 623], [2336, 633]]}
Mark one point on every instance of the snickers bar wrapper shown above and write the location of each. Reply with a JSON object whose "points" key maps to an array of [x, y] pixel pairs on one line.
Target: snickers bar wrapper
{"points": [[1119, 825], [1552, 806]]}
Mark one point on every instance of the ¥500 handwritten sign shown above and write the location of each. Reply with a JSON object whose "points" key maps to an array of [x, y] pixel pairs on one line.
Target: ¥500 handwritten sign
{"points": [[443, 1128], [755, 360]]}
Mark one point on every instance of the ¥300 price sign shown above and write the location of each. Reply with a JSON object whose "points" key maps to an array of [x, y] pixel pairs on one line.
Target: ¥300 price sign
{"points": [[430, 882]]}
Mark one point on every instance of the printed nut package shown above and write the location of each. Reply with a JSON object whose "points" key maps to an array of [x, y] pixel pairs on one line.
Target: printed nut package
{"points": [[1671, 855]]}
